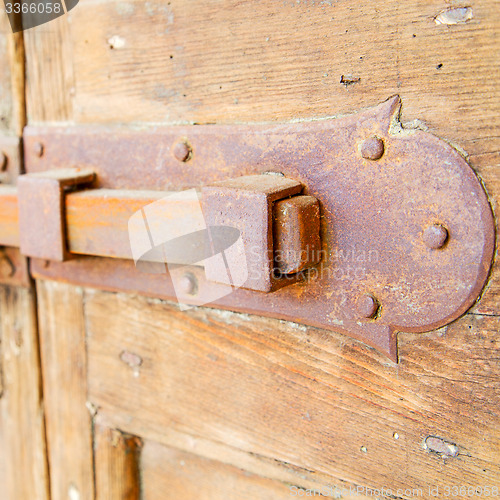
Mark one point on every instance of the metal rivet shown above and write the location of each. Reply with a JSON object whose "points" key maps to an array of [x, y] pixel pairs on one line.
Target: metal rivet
{"points": [[38, 149], [188, 284], [182, 151], [435, 236], [372, 148], [367, 306], [3, 161]]}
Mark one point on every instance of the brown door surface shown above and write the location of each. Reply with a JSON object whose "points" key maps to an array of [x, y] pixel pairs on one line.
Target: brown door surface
{"points": [[114, 395]]}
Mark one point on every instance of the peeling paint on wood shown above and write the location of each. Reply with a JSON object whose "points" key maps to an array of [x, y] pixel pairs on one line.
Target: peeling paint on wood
{"points": [[458, 15], [440, 446]]}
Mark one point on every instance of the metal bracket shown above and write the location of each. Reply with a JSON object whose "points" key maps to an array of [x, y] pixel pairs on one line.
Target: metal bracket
{"points": [[246, 204], [42, 225], [407, 233]]}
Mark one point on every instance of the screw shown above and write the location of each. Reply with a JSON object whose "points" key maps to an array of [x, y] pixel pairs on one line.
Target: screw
{"points": [[182, 151], [38, 149], [367, 306], [3, 161], [188, 285], [435, 236], [372, 148]]}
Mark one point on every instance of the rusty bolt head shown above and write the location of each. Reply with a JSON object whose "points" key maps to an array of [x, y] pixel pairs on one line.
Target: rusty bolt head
{"points": [[372, 148], [182, 151], [435, 236], [3, 161], [188, 284], [38, 149], [367, 306]]}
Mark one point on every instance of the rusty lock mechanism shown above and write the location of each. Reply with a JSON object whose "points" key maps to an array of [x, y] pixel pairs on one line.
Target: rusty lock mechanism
{"points": [[354, 225]]}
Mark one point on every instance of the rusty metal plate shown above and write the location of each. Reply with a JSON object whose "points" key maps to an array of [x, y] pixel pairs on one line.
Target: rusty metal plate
{"points": [[407, 232]]}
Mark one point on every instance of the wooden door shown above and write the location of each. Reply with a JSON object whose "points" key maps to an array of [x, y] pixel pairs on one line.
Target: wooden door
{"points": [[141, 400]]}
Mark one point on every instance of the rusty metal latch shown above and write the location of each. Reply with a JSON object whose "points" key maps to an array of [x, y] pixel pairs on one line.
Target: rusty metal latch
{"points": [[355, 224], [274, 223], [41, 208]]}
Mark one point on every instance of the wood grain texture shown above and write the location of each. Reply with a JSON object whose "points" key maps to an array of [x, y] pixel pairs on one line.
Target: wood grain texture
{"points": [[23, 462], [68, 421], [116, 464], [6, 111], [49, 64], [12, 102], [17, 70], [170, 474], [331, 409], [3, 462], [227, 60]]}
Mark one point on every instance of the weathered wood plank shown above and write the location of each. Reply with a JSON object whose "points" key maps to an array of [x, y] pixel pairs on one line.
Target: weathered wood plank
{"points": [[315, 401], [49, 66], [68, 421], [12, 102], [116, 464], [3, 462], [5, 82], [283, 60], [170, 474], [23, 462], [487, 164]]}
